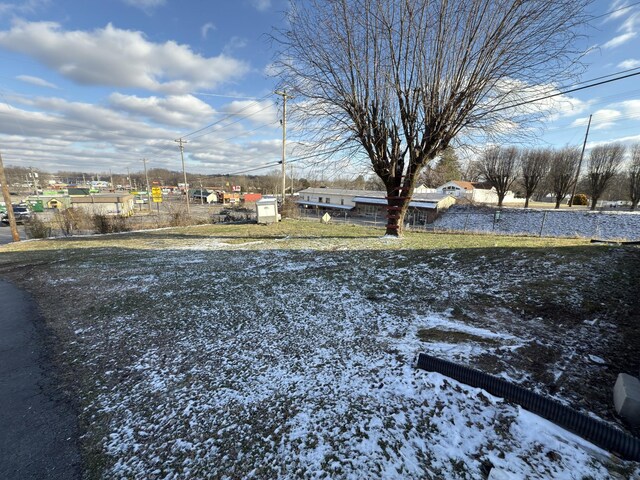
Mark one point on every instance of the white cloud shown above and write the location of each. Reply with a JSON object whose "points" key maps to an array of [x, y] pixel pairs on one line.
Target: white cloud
{"points": [[616, 7], [631, 108], [204, 30], [235, 43], [183, 111], [261, 5], [35, 81], [257, 112], [628, 64], [619, 40], [23, 7], [630, 24], [120, 58], [56, 134], [601, 120], [145, 5]]}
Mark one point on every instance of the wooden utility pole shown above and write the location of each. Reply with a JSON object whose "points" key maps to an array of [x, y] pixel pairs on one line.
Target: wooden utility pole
{"points": [[575, 182], [7, 201], [184, 172], [146, 177], [285, 97]]}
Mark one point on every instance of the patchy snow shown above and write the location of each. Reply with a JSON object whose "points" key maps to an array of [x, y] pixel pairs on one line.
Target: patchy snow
{"points": [[550, 223], [247, 361]]}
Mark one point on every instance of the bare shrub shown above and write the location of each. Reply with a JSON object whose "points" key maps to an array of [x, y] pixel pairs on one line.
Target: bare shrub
{"points": [[110, 224], [290, 209], [36, 228], [178, 216], [71, 220]]}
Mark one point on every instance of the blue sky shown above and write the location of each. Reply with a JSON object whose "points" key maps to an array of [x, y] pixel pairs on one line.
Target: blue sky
{"points": [[99, 85]]}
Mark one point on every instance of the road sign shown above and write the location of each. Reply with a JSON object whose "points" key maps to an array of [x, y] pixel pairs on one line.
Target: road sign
{"points": [[156, 194]]}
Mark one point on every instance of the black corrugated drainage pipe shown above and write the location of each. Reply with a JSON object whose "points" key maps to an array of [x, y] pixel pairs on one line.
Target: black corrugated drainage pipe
{"points": [[595, 431]]}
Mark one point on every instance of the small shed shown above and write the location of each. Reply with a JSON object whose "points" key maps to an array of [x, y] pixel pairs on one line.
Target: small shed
{"points": [[267, 210]]}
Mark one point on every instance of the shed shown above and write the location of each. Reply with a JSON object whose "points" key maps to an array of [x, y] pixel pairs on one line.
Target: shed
{"points": [[267, 210]]}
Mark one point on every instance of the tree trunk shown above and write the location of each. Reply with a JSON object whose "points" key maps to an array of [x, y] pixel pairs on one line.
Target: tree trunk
{"points": [[594, 202], [500, 200], [558, 200], [397, 206], [526, 202], [634, 204]]}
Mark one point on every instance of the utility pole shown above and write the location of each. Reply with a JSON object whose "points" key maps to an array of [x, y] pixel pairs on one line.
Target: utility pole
{"points": [[146, 177], [128, 179], [7, 202], [291, 176], [184, 172], [575, 183], [285, 97], [201, 193]]}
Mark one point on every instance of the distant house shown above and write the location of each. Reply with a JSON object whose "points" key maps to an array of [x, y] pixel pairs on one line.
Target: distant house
{"points": [[204, 196], [105, 204], [423, 208], [474, 192], [251, 197], [425, 189], [58, 201]]}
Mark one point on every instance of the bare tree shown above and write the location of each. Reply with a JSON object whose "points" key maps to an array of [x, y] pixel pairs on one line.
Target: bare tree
{"points": [[499, 167], [561, 174], [534, 167], [604, 162], [633, 175], [402, 78]]}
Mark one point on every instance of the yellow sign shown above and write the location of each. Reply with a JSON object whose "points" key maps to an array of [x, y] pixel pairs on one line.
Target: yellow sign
{"points": [[156, 194]]}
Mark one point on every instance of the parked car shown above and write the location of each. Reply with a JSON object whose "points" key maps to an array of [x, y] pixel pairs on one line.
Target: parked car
{"points": [[21, 212]]}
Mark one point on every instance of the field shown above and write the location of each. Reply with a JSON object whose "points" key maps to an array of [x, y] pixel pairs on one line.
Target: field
{"points": [[286, 351]]}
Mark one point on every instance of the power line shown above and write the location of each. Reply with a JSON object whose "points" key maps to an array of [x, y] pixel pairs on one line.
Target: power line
{"points": [[224, 118], [564, 92], [241, 97], [219, 142], [295, 159], [228, 124], [616, 10]]}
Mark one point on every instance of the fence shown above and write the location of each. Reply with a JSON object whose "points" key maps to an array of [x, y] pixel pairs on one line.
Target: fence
{"points": [[508, 221]]}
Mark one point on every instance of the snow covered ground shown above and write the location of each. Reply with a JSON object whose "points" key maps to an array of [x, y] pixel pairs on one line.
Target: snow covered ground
{"points": [[292, 358], [552, 223]]}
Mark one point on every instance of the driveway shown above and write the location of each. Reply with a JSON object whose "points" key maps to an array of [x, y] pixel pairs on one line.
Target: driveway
{"points": [[5, 233], [38, 431]]}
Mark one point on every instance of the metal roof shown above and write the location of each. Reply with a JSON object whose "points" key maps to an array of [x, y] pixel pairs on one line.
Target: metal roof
{"points": [[327, 205]]}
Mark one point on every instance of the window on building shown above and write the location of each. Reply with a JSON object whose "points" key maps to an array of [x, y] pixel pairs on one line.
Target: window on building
{"points": [[342, 201], [328, 200], [319, 199], [308, 198]]}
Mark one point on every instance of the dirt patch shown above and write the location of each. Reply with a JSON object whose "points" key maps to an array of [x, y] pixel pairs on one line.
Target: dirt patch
{"points": [[452, 336]]}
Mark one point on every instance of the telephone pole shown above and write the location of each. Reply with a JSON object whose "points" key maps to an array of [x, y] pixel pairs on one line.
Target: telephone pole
{"points": [[7, 202], [285, 97], [146, 177], [575, 183], [184, 172]]}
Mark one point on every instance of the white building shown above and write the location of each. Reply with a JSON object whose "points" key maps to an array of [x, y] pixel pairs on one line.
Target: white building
{"points": [[424, 207], [467, 190]]}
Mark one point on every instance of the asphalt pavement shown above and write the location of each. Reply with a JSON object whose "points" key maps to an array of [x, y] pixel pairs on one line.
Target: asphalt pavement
{"points": [[5, 233], [38, 425]]}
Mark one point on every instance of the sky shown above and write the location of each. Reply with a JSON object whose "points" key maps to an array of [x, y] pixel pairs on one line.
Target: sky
{"points": [[97, 86]]}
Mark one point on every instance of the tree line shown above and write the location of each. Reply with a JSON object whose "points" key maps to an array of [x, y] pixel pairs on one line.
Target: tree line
{"points": [[556, 171]]}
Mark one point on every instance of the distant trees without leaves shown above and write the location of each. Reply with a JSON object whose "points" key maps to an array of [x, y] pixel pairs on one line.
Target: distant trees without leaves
{"points": [[499, 167], [534, 167], [564, 164], [604, 162], [633, 176]]}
